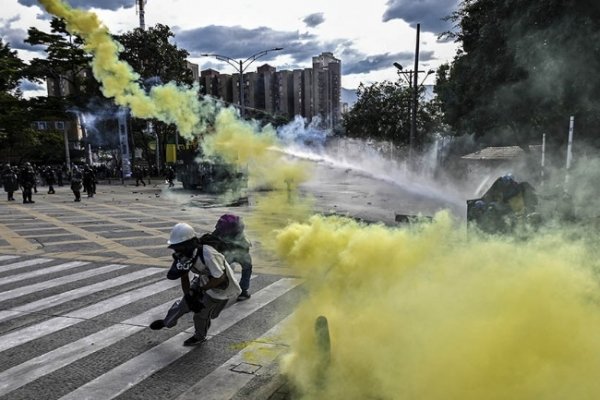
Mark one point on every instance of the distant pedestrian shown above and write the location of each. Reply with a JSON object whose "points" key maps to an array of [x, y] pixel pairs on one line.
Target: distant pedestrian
{"points": [[212, 288], [27, 182], [10, 181], [76, 178], [139, 176], [170, 175], [89, 179], [50, 178], [59, 176]]}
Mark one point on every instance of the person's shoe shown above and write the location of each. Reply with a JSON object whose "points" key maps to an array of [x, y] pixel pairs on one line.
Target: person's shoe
{"points": [[243, 296], [194, 341], [77, 200], [157, 325]]}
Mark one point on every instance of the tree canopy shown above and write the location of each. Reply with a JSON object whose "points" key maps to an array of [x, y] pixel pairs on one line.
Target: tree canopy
{"points": [[156, 60], [523, 67], [383, 112]]}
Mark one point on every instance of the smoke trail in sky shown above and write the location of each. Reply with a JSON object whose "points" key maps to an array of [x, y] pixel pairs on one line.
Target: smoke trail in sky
{"points": [[169, 103]]}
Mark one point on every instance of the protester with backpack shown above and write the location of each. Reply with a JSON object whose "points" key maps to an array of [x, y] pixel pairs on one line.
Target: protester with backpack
{"points": [[236, 248], [212, 288]]}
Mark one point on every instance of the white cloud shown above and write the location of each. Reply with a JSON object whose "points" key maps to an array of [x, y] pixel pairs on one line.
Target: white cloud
{"points": [[354, 31]]}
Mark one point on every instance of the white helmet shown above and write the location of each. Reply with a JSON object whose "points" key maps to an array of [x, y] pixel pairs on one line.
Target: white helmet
{"points": [[181, 232]]}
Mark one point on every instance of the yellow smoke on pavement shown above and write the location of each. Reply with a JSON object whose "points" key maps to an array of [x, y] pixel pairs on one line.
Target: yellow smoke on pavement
{"points": [[428, 312]]}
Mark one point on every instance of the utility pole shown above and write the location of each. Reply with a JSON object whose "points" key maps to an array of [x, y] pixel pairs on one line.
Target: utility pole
{"points": [[412, 78], [140, 9], [415, 99]]}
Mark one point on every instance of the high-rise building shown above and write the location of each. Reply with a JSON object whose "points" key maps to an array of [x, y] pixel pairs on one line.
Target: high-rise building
{"points": [[265, 88], [310, 92], [209, 82], [327, 72], [194, 68]]}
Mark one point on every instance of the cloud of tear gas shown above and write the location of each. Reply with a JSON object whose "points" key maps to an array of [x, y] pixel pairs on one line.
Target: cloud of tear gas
{"points": [[169, 103], [246, 145], [257, 151], [431, 312]]}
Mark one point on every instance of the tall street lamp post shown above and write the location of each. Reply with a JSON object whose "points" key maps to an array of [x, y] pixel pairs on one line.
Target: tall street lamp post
{"points": [[241, 66], [413, 84], [414, 100]]}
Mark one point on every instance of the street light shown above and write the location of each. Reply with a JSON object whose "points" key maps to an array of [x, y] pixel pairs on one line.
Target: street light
{"points": [[414, 88], [241, 67]]}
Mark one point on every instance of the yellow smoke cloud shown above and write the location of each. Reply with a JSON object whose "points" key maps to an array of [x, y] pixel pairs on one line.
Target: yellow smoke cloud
{"points": [[431, 313], [168, 103], [243, 144]]}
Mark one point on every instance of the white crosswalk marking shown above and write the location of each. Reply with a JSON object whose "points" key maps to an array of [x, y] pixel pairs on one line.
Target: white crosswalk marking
{"points": [[224, 382], [139, 368], [35, 364], [18, 337], [61, 298], [27, 263], [41, 272], [24, 290]]}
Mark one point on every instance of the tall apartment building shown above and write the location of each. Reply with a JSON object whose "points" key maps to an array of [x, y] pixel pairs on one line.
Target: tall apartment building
{"points": [[265, 88], [194, 68], [308, 92], [327, 72]]}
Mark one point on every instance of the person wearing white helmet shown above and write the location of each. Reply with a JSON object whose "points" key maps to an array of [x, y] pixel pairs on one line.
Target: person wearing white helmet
{"points": [[211, 289]]}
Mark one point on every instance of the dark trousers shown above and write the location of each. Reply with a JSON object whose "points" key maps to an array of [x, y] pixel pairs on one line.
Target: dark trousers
{"points": [[211, 310], [27, 195]]}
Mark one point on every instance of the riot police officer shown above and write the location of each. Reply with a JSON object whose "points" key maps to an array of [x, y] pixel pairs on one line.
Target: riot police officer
{"points": [[10, 181], [27, 182]]}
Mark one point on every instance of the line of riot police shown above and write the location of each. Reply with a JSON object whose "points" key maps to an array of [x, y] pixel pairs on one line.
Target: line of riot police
{"points": [[26, 178]]}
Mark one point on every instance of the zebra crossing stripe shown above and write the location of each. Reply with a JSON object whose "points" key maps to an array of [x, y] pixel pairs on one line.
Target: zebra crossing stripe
{"points": [[224, 382], [21, 336], [132, 372], [22, 374], [42, 271], [267, 295], [26, 263], [2, 258], [47, 363], [24, 290], [74, 294]]}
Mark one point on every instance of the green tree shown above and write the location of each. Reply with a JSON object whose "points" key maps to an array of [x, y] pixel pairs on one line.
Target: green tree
{"points": [[157, 61], [15, 127], [66, 62], [523, 67], [383, 112]]}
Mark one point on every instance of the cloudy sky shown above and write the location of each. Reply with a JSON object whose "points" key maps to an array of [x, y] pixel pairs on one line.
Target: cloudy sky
{"points": [[368, 36]]}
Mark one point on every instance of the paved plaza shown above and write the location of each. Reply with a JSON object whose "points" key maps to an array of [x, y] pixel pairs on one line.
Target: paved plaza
{"points": [[80, 283]]}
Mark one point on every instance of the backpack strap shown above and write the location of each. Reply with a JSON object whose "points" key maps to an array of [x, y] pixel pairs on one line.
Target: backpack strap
{"points": [[200, 253]]}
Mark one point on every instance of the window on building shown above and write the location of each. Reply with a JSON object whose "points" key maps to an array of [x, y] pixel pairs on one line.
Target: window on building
{"points": [[60, 125]]}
